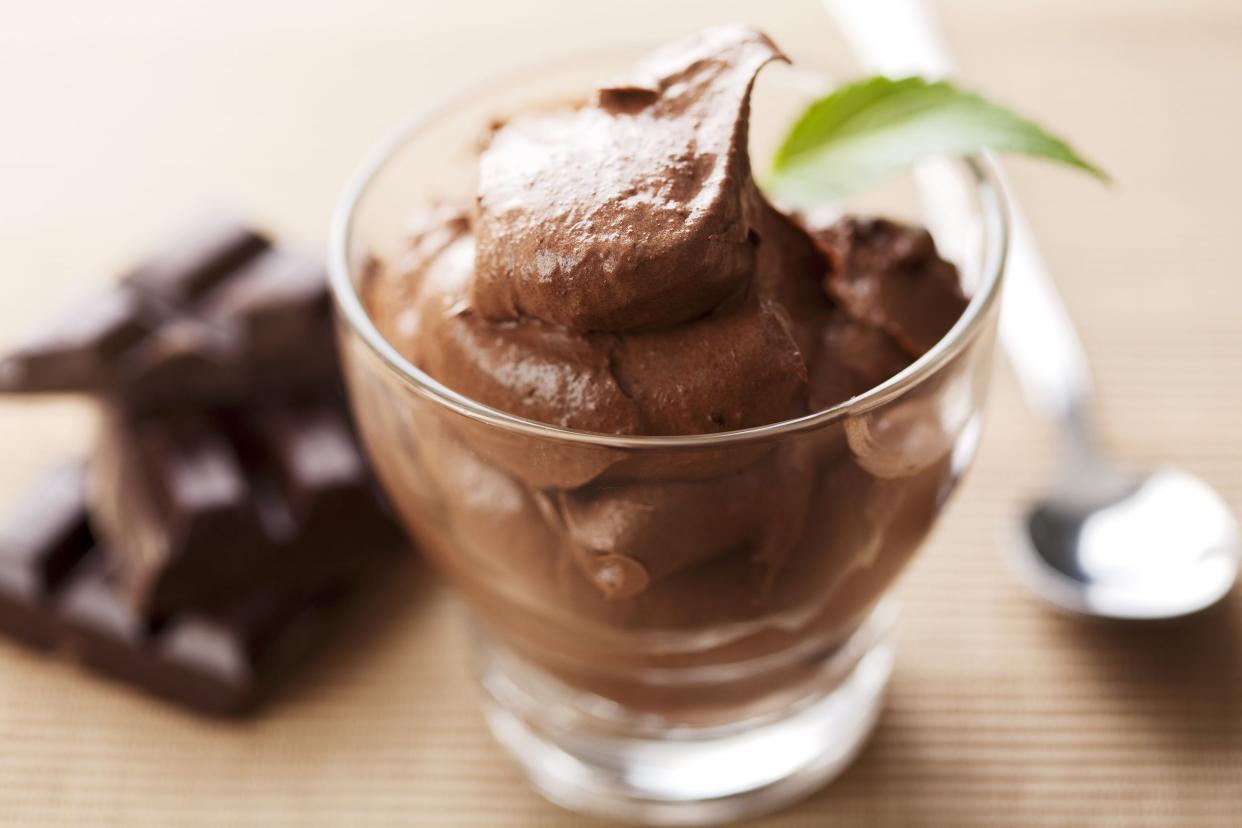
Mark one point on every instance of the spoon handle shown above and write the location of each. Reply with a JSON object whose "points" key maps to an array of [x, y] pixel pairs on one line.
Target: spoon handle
{"points": [[1037, 332], [901, 37]]}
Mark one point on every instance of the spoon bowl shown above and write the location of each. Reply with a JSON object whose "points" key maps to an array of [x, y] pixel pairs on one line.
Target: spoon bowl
{"points": [[1125, 546]]}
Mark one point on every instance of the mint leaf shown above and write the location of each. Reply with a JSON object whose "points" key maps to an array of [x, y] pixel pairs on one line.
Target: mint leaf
{"points": [[868, 130]]}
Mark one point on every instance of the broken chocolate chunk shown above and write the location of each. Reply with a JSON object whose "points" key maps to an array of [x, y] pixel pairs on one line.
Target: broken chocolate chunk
{"points": [[218, 316], [170, 499], [196, 505], [197, 258], [222, 661], [42, 539], [59, 588]]}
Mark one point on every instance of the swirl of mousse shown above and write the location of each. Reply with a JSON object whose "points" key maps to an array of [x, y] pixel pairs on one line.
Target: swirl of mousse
{"points": [[607, 280], [634, 211]]}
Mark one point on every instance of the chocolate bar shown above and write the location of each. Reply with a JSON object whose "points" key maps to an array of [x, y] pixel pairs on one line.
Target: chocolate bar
{"points": [[227, 513], [57, 589], [217, 315], [220, 661], [197, 258], [195, 505]]}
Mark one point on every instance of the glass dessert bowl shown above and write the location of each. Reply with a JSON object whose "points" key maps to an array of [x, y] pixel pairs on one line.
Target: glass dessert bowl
{"points": [[676, 628]]}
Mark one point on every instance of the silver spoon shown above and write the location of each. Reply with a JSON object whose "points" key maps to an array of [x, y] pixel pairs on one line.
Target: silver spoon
{"points": [[1104, 541]]}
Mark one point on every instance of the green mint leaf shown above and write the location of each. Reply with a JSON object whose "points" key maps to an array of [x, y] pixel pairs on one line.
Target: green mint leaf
{"points": [[869, 130]]}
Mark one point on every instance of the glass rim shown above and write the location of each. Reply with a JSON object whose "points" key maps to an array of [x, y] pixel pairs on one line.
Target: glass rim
{"points": [[988, 188]]}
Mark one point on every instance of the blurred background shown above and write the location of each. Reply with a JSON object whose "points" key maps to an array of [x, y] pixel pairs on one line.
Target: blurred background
{"points": [[121, 118]]}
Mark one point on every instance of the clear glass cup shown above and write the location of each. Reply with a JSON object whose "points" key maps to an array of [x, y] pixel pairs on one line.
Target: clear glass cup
{"points": [[741, 662]]}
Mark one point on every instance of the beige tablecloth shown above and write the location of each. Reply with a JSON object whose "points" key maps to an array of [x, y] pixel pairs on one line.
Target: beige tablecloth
{"points": [[119, 116]]}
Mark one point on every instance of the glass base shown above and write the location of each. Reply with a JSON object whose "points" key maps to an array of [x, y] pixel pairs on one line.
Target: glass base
{"points": [[588, 755]]}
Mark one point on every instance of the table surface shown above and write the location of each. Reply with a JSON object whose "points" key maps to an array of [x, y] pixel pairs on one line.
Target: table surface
{"points": [[120, 117]]}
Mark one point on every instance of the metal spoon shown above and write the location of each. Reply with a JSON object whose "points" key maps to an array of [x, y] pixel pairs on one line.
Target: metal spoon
{"points": [[1104, 541]]}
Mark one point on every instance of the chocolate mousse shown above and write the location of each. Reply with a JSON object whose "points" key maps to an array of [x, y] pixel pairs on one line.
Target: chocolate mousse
{"points": [[620, 272]]}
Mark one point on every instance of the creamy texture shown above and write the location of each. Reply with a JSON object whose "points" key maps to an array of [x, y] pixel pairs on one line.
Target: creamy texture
{"points": [[621, 273], [635, 211]]}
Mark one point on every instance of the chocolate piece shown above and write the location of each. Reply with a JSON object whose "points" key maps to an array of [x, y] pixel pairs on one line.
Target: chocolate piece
{"points": [[216, 317], [231, 511], [222, 661], [169, 497], [41, 540], [229, 658], [215, 326], [265, 329], [77, 350], [197, 506], [320, 469], [197, 258], [185, 359], [57, 588], [277, 299], [336, 522]]}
